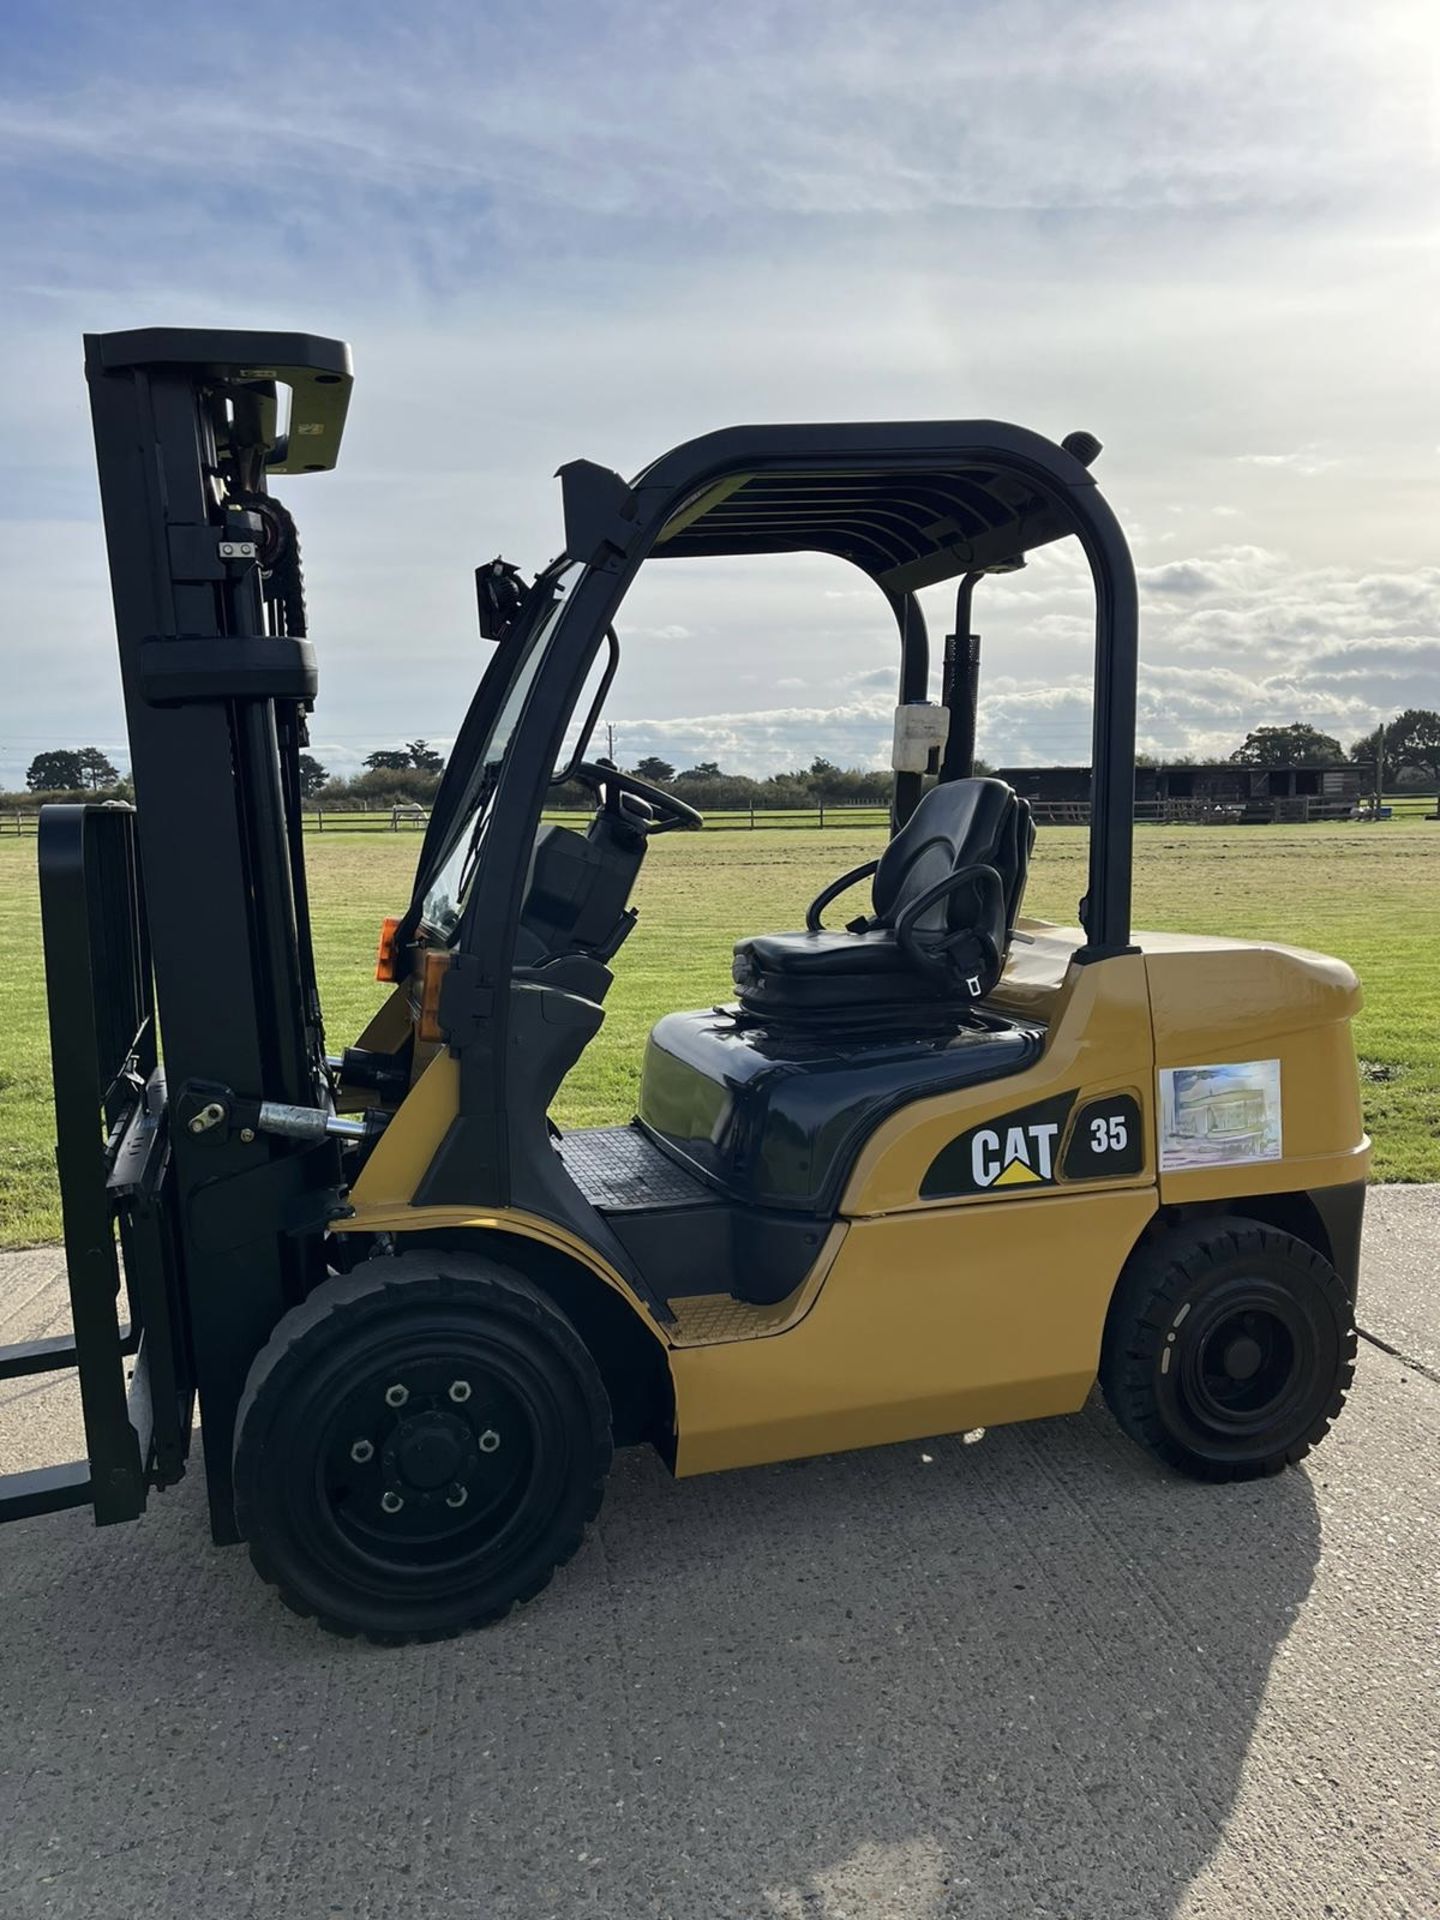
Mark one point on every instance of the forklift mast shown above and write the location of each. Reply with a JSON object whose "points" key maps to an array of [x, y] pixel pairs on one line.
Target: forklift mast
{"points": [[189, 911]]}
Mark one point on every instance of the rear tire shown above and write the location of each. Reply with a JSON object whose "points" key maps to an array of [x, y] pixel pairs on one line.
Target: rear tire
{"points": [[1228, 1349], [419, 1446]]}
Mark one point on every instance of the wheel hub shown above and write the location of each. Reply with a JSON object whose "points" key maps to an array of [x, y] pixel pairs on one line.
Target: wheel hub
{"points": [[1242, 1358], [429, 1450]]}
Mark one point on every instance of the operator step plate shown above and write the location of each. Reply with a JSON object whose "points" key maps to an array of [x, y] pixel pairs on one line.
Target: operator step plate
{"points": [[619, 1171]]}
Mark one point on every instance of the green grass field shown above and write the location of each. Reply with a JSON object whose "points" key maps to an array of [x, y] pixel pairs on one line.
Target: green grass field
{"points": [[1366, 893]]}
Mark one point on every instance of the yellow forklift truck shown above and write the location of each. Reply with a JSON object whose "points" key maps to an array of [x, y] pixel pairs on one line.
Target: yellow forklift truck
{"points": [[935, 1166]]}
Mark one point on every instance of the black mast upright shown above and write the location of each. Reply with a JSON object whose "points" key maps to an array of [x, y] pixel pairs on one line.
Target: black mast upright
{"points": [[216, 679]]}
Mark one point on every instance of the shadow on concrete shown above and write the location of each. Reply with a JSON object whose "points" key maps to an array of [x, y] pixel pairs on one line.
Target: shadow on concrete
{"points": [[1010, 1681]]}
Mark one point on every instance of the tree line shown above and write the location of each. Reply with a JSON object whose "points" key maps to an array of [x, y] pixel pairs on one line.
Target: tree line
{"points": [[72, 770], [1407, 746], [404, 778], [410, 775]]}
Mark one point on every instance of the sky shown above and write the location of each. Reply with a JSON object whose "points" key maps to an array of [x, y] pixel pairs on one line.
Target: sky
{"points": [[1205, 233]]}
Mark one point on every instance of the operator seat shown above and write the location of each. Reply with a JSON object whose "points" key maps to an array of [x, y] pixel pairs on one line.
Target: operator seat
{"points": [[945, 897]]}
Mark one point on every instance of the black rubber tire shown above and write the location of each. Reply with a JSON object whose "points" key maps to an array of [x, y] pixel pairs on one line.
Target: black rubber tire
{"points": [[1166, 1370], [321, 1542]]}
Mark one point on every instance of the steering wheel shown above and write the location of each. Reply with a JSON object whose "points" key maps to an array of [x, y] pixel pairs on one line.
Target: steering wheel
{"points": [[673, 815]]}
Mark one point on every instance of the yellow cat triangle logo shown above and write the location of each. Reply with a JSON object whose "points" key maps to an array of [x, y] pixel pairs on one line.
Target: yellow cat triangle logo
{"points": [[1018, 1174], [1025, 1158]]}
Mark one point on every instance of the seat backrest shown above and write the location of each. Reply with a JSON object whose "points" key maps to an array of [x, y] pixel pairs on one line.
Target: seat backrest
{"points": [[964, 823]]}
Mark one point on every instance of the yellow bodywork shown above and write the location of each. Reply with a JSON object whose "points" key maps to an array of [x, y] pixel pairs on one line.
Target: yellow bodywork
{"points": [[929, 1315], [929, 1322]]}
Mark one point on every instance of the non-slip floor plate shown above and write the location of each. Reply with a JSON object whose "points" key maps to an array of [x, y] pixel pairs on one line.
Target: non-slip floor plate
{"points": [[619, 1170]]}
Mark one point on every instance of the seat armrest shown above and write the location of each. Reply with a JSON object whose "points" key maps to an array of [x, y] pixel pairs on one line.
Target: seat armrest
{"points": [[836, 887]]}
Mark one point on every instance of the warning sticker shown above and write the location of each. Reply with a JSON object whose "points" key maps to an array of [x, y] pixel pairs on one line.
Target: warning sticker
{"points": [[1219, 1116]]}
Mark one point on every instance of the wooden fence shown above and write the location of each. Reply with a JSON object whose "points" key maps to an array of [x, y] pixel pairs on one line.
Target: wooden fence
{"points": [[397, 819], [1260, 811], [1197, 813], [365, 819], [1048, 813]]}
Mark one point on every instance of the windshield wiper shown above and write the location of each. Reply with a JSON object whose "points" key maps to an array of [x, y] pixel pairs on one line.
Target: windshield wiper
{"points": [[489, 780]]}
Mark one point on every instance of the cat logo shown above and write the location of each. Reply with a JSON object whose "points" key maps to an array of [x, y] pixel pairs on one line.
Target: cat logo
{"points": [[1016, 1149], [1018, 1156]]}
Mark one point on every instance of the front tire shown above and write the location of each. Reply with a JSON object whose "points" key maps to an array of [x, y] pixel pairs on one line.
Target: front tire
{"points": [[1228, 1349], [419, 1446]]}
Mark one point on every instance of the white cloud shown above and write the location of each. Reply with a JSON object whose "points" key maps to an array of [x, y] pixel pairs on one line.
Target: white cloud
{"points": [[1305, 461], [835, 112], [1177, 576]]}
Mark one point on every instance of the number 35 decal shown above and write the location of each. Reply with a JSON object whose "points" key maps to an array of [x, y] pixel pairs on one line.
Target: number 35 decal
{"points": [[1106, 1139], [1109, 1133]]}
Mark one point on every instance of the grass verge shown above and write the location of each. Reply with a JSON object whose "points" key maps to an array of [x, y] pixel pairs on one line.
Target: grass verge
{"points": [[1365, 893]]}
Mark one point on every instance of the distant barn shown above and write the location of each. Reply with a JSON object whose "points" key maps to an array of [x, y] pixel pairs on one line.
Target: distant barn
{"points": [[1217, 791]]}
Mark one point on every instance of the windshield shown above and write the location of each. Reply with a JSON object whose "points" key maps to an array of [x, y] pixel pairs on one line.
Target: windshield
{"points": [[445, 899]]}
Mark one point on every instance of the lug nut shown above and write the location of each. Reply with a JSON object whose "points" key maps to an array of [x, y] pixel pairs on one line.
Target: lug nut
{"points": [[361, 1451], [489, 1440], [457, 1496], [397, 1395], [391, 1502], [460, 1390]]}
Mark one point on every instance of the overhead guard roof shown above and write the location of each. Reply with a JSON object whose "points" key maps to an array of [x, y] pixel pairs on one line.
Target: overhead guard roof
{"points": [[887, 499]]}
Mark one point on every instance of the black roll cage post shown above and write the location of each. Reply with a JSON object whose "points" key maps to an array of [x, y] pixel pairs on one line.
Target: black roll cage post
{"points": [[960, 687], [613, 528], [914, 686]]}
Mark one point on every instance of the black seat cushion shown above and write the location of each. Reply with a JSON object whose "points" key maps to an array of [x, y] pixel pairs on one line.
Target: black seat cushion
{"points": [[818, 955], [866, 970], [823, 972]]}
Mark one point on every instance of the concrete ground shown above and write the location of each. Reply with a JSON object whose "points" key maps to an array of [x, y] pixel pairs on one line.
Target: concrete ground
{"points": [[1022, 1679]]}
